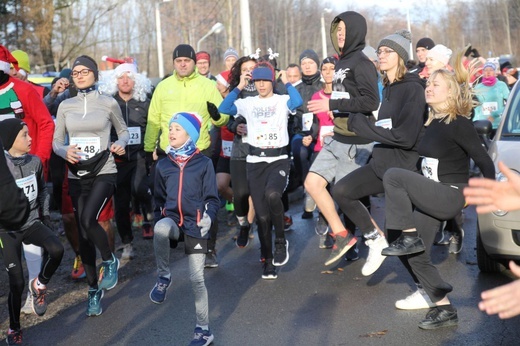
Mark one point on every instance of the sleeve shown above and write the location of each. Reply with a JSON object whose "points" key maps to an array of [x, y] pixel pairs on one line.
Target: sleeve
{"points": [[153, 125], [116, 118], [405, 131], [38, 111], [365, 76], [216, 99], [60, 134], [210, 192], [43, 194], [295, 99], [228, 104], [159, 192], [467, 138]]}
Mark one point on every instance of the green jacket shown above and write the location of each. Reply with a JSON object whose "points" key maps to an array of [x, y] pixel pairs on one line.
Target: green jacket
{"points": [[173, 95]]}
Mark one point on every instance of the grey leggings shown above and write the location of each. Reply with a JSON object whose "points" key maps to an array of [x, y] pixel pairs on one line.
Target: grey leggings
{"points": [[164, 230]]}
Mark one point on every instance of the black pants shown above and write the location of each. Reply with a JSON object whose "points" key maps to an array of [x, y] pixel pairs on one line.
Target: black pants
{"points": [[267, 182], [11, 245], [89, 196], [414, 201], [240, 186], [132, 181]]}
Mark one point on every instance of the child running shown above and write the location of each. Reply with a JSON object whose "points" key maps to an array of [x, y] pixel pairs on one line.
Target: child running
{"points": [[186, 200], [28, 172], [268, 162]]}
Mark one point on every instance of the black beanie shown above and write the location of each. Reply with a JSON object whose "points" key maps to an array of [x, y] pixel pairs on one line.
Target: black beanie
{"points": [[184, 51], [425, 42], [310, 54], [9, 130], [88, 62]]}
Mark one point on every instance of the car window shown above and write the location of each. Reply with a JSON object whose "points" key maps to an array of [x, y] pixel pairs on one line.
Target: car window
{"points": [[512, 121]]}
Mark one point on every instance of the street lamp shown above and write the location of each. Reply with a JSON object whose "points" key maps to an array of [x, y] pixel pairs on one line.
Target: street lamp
{"points": [[159, 37], [323, 36], [217, 28]]}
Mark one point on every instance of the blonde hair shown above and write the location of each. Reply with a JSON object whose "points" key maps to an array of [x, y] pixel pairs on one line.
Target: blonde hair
{"points": [[399, 74], [460, 100]]}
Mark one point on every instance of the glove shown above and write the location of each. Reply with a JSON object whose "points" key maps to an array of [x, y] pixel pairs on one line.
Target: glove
{"points": [[148, 159], [213, 111], [475, 53], [47, 222], [205, 224], [467, 53]]}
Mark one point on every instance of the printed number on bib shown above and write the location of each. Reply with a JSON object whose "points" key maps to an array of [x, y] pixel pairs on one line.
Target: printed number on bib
{"points": [[29, 186], [268, 137], [307, 121], [430, 168], [227, 146], [89, 146], [489, 107], [135, 135]]}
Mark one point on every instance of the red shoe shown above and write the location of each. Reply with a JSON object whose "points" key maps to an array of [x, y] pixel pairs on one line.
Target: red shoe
{"points": [[137, 220], [147, 231], [78, 272], [287, 222]]}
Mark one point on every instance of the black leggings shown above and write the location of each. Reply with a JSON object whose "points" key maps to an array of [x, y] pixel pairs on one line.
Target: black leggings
{"points": [[11, 245], [267, 184], [240, 186], [89, 196]]}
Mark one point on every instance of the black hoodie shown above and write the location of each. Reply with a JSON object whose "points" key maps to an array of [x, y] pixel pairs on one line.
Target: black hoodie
{"points": [[355, 74], [404, 106]]}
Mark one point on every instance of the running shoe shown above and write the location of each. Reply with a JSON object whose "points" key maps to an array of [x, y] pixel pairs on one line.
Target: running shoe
{"points": [[78, 272], [456, 240], [201, 337], [341, 246], [352, 254], [27, 309], [94, 302], [287, 220], [415, 301], [14, 337], [158, 292], [138, 221], [375, 258], [404, 245], [39, 303], [211, 260], [440, 316], [243, 236], [269, 271], [326, 241], [128, 252], [321, 227], [147, 231], [109, 274], [281, 252]]}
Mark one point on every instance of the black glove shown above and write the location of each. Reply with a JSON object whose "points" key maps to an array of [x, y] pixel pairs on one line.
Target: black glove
{"points": [[213, 111], [467, 53], [148, 159], [47, 222], [475, 53]]}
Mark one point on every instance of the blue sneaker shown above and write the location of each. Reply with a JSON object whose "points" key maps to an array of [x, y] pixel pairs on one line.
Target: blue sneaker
{"points": [[94, 302], [158, 292], [108, 274], [201, 337]]}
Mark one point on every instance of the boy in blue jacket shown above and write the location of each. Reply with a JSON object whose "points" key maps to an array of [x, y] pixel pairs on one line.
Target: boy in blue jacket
{"points": [[186, 200]]}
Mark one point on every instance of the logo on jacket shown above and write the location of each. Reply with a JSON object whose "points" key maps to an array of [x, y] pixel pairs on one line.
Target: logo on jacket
{"points": [[341, 74]]}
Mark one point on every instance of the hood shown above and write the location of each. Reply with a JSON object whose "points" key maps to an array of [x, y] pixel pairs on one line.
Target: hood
{"points": [[356, 27]]}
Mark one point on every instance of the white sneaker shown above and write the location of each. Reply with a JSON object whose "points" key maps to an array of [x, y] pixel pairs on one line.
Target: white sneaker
{"points": [[374, 259], [128, 252], [417, 300], [27, 309]]}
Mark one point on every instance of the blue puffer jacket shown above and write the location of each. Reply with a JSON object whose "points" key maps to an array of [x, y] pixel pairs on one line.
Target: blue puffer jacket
{"points": [[183, 192]]}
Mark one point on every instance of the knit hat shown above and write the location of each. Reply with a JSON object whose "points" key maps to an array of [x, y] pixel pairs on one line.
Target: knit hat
{"points": [[89, 63], [440, 53], [310, 54], [263, 72], [9, 130], [184, 51], [425, 42], [230, 52], [490, 64], [370, 52], [202, 55], [23, 60], [399, 42], [330, 60], [126, 67], [190, 122], [65, 73], [6, 59]]}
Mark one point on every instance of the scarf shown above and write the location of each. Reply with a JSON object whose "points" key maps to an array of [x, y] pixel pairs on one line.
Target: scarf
{"points": [[16, 160], [87, 90], [489, 81], [250, 87], [182, 154]]}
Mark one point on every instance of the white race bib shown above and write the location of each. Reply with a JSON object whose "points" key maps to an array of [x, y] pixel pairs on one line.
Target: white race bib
{"points": [[384, 123], [307, 121], [324, 130], [489, 107], [268, 137], [29, 186], [336, 95], [430, 168], [135, 135], [89, 146], [227, 146]]}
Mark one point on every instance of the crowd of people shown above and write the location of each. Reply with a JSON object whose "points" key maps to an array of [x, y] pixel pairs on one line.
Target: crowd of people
{"points": [[362, 122]]}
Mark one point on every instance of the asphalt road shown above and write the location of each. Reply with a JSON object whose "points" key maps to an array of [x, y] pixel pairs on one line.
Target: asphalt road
{"points": [[304, 306]]}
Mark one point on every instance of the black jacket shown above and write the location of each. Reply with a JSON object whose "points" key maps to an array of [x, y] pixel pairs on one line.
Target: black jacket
{"points": [[405, 106], [307, 88], [355, 74]]}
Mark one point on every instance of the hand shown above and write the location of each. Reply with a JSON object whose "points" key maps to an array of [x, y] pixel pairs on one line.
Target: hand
{"points": [[245, 78], [307, 140], [60, 86], [148, 159], [47, 222], [475, 53], [503, 300], [467, 53], [72, 154], [283, 76], [205, 224], [117, 149], [213, 111], [490, 195], [242, 129], [318, 106]]}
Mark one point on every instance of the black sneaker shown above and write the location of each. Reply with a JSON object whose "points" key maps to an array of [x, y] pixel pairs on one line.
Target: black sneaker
{"points": [[321, 227], [269, 271], [307, 215], [440, 316], [456, 241], [281, 252], [211, 260], [243, 236], [14, 337], [443, 236], [404, 245], [341, 246], [352, 254], [39, 303]]}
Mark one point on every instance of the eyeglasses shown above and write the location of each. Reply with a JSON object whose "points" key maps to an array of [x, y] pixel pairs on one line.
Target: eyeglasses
{"points": [[384, 51], [83, 72]]}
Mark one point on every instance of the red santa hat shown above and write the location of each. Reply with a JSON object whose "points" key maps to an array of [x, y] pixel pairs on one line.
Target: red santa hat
{"points": [[6, 59]]}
